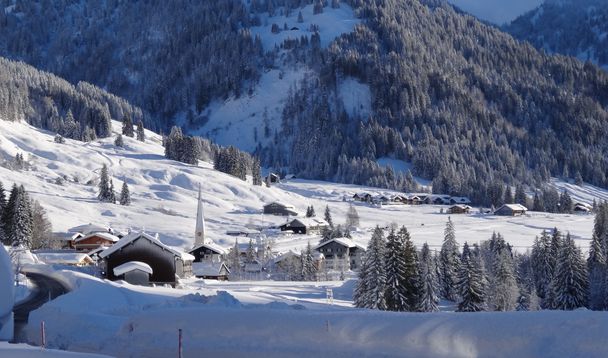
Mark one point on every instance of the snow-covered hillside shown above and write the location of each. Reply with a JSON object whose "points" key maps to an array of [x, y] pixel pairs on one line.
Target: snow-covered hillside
{"points": [[164, 196]]}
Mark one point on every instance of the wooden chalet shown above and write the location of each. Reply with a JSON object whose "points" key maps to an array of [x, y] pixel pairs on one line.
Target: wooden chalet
{"points": [[211, 270], [207, 252], [365, 197], [437, 200], [167, 263], [511, 210], [272, 178], [134, 272], [305, 225], [281, 209], [341, 253], [94, 240], [582, 208], [459, 209]]}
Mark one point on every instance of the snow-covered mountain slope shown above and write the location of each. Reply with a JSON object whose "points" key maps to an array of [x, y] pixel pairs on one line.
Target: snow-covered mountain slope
{"points": [[576, 28], [164, 196], [496, 11]]}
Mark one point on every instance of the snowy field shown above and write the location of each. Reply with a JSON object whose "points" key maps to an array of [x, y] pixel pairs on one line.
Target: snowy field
{"points": [[164, 197], [274, 319]]}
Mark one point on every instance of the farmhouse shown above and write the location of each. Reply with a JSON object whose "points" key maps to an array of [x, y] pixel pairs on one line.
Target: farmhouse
{"points": [[305, 225], [362, 197], [167, 263], [134, 272], [272, 178], [414, 200], [437, 200], [277, 208], [94, 240], [207, 252], [459, 209], [211, 270], [582, 208], [341, 254], [511, 210]]}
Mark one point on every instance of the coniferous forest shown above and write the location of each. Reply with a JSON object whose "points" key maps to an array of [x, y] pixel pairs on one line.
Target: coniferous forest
{"points": [[467, 105]]}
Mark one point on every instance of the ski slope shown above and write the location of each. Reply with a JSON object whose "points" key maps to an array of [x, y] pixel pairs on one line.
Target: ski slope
{"points": [[164, 196]]}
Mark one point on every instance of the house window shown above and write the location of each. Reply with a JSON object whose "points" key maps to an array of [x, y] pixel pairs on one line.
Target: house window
{"points": [[328, 250]]}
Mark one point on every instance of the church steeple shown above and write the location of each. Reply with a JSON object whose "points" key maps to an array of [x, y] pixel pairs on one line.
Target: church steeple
{"points": [[199, 233]]}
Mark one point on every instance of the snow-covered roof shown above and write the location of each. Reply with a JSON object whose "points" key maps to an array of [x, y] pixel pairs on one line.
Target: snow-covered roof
{"points": [[208, 268], [285, 256], [461, 199], [310, 222], [134, 236], [132, 266], [584, 205], [461, 206], [514, 207], [64, 258], [346, 242], [211, 246], [89, 228], [105, 235], [286, 206]]}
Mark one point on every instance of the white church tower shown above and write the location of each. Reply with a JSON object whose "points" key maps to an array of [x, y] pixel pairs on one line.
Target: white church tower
{"points": [[199, 233]]}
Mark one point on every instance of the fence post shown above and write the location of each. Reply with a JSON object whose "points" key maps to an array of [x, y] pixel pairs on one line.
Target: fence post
{"points": [[42, 334], [180, 347]]}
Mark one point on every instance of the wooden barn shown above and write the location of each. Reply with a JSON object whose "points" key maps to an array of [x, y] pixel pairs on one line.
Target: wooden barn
{"points": [[459, 209], [94, 240], [437, 200], [365, 197], [167, 263], [305, 226], [511, 210], [281, 209]]}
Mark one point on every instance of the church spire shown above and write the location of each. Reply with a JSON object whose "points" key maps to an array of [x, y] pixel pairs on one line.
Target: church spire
{"points": [[199, 233]]}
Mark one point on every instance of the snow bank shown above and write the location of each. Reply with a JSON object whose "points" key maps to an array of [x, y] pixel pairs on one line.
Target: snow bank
{"points": [[7, 295], [25, 351]]}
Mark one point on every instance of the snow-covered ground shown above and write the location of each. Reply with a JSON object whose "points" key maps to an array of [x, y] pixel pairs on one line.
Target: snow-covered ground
{"points": [[283, 319], [164, 197], [26, 351]]}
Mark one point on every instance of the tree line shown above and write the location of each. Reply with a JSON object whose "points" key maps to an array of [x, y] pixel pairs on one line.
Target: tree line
{"points": [[489, 276]]}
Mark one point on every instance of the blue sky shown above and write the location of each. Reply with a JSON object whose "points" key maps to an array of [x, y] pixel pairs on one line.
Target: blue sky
{"points": [[497, 11]]}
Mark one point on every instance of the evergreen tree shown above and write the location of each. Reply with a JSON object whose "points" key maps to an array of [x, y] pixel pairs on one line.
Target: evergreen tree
{"points": [[250, 254], [300, 17], [538, 203], [21, 233], [125, 196], [597, 268], [352, 218], [520, 196], [309, 269], [471, 283], [127, 126], [371, 286], [570, 282], [565, 202], [310, 212], [112, 192], [328, 217], [105, 191], [256, 172], [9, 213], [542, 267], [449, 259], [2, 211], [412, 274], [141, 134], [119, 142], [504, 286], [396, 288], [508, 196], [429, 300], [234, 261]]}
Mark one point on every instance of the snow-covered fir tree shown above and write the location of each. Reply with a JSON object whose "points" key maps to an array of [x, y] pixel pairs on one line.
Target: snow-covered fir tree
{"points": [[2, 211], [127, 127], [542, 267], [119, 142], [141, 134], [106, 193], [309, 268], [570, 283], [503, 292], [234, 261], [371, 286], [328, 218], [412, 274], [20, 233], [42, 230], [429, 288], [471, 284], [256, 172], [449, 259], [310, 212], [125, 195], [396, 294]]}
